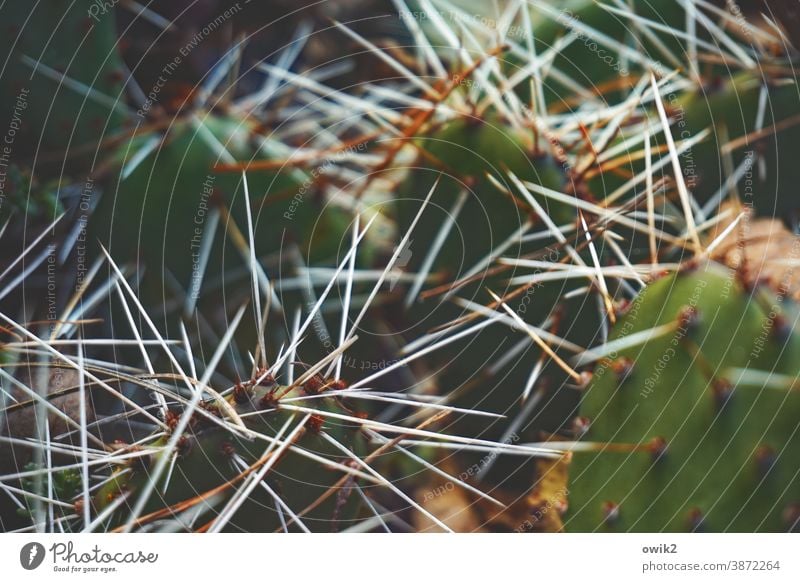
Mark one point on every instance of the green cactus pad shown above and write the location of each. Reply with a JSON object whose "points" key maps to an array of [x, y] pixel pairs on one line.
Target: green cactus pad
{"points": [[205, 461], [158, 211], [686, 442], [62, 38]]}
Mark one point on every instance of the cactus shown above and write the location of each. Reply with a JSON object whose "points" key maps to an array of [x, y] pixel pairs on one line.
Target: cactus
{"points": [[730, 106], [180, 183], [63, 60], [690, 424], [304, 453], [174, 190], [25, 195], [570, 280], [208, 457]]}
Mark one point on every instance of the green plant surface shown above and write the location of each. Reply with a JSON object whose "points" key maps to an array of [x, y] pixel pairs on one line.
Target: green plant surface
{"points": [[685, 442]]}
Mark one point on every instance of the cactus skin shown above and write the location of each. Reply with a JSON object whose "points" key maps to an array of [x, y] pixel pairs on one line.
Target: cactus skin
{"points": [[155, 212], [734, 108], [725, 99], [27, 195], [466, 151], [731, 456], [205, 462], [461, 154], [61, 35]]}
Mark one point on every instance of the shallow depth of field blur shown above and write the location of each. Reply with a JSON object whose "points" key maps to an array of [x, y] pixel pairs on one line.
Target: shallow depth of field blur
{"points": [[399, 266]]}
